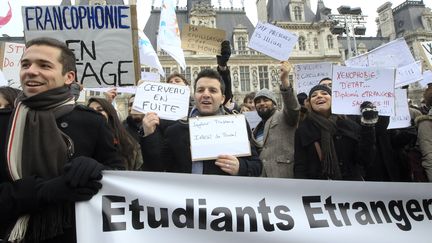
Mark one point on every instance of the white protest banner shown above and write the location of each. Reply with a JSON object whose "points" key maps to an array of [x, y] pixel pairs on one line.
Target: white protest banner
{"points": [[149, 76], [253, 118], [136, 207], [169, 101], [3, 81], [273, 41], [408, 74], [427, 78], [402, 116], [308, 75], [100, 36], [352, 86], [426, 52], [392, 54], [11, 63], [211, 136]]}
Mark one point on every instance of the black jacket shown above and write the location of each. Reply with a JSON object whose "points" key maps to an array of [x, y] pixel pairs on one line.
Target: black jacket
{"points": [[354, 146], [91, 137]]}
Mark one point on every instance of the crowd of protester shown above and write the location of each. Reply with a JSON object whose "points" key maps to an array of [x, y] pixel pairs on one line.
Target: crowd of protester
{"points": [[54, 150]]}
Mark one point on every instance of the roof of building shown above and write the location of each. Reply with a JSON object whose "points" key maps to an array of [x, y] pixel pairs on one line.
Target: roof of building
{"points": [[278, 10], [407, 16]]}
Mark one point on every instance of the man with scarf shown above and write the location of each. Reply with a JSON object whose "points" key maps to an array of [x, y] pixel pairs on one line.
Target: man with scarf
{"points": [[275, 133], [176, 157], [53, 151]]}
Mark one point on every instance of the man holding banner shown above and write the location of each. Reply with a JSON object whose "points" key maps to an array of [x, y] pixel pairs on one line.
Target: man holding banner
{"points": [[53, 151]]}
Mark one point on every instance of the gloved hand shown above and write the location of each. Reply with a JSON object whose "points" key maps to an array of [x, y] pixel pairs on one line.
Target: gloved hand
{"points": [[57, 190], [81, 170], [223, 58], [369, 114]]}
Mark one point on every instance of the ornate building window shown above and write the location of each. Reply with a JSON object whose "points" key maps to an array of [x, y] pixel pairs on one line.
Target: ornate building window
{"points": [[302, 43], [187, 74], [244, 79], [241, 45], [316, 43], [263, 77], [167, 71], [430, 23], [297, 13], [330, 41]]}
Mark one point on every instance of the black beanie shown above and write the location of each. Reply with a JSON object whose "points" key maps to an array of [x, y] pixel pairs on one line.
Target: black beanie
{"points": [[319, 87]]}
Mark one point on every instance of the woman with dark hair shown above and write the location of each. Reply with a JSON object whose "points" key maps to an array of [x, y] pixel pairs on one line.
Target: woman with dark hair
{"points": [[126, 144], [331, 146], [8, 96]]}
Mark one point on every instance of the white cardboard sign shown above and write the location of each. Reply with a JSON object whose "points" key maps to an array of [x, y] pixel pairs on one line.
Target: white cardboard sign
{"points": [[426, 51], [408, 74], [169, 101], [402, 116], [308, 75], [11, 63], [211, 136], [273, 41], [253, 118], [352, 86]]}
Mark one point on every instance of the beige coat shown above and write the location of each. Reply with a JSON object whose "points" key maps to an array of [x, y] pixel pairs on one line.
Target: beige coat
{"points": [[277, 152], [424, 140]]}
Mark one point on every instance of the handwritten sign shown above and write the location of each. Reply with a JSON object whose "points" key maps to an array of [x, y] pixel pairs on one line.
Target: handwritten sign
{"points": [[253, 118], [100, 36], [149, 76], [202, 39], [402, 117], [352, 86], [212, 136], [393, 54], [426, 52], [11, 63], [169, 101], [273, 41], [309, 74], [408, 74]]}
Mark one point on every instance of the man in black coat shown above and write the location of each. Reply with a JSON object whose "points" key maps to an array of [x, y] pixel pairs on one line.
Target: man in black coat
{"points": [[176, 155], [53, 151]]}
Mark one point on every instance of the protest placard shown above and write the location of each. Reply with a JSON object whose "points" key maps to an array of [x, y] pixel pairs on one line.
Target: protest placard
{"points": [[426, 52], [149, 76], [402, 117], [212, 136], [392, 54], [427, 78], [253, 118], [11, 63], [273, 41], [169, 101], [408, 74], [202, 39], [3, 81], [352, 86], [307, 75], [100, 36]]}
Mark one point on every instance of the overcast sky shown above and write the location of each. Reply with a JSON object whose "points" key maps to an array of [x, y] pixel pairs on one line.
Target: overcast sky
{"points": [[14, 27]]}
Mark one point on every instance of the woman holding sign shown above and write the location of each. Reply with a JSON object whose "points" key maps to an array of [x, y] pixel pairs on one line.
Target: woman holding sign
{"points": [[330, 146]]}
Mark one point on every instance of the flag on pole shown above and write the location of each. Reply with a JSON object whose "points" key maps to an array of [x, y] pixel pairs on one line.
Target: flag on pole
{"points": [[148, 55], [5, 19], [169, 33]]}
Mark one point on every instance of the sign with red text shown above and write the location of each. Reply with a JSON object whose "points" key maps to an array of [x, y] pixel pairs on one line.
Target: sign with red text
{"points": [[138, 206], [273, 41], [169, 101], [307, 75], [99, 35], [402, 117], [352, 86], [11, 63], [211, 136]]}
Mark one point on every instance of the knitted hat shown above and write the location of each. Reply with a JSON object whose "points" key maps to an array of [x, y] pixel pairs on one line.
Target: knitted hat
{"points": [[319, 87], [266, 93]]}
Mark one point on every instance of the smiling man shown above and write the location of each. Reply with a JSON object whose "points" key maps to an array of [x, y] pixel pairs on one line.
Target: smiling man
{"points": [[53, 151], [176, 156], [275, 133]]}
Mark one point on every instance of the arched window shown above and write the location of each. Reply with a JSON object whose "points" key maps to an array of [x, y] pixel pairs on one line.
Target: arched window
{"points": [[241, 44], [315, 43], [297, 13], [330, 41], [302, 43]]}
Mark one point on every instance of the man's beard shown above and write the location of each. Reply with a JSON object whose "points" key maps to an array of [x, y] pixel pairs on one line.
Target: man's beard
{"points": [[266, 114]]}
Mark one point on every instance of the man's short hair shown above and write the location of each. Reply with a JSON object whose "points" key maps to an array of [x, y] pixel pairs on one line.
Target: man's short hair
{"points": [[249, 96], [324, 79], [211, 73], [176, 74], [67, 57]]}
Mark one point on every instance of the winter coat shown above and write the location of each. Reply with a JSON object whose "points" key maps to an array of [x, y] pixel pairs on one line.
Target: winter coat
{"points": [[424, 140]]}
